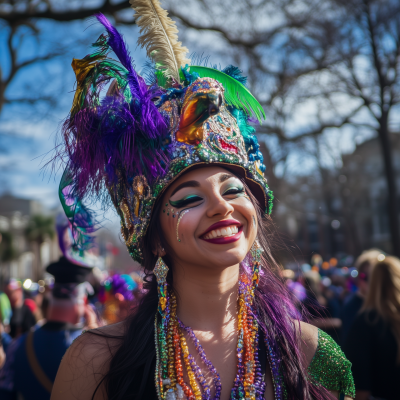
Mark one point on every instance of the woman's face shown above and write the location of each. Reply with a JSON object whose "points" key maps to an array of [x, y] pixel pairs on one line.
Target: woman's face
{"points": [[207, 219]]}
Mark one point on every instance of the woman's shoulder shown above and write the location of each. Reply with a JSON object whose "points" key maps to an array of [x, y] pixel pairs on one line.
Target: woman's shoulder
{"points": [[86, 362], [329, 366], [326, 363], [308, 335], [93, 341]]}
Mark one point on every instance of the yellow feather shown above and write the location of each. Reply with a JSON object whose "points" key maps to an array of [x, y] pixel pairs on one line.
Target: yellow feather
{"points": [[159, 35]]}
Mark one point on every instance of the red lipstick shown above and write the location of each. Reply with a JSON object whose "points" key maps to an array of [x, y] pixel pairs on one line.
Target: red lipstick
{"points": [[226, 239], [221, 224]]}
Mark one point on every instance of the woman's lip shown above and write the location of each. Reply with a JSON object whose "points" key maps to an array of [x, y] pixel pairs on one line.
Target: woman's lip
{"points": [[221, 224], [225, 239]]}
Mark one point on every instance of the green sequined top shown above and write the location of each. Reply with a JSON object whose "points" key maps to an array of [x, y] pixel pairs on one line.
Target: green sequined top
{"points": [[330, 367]]}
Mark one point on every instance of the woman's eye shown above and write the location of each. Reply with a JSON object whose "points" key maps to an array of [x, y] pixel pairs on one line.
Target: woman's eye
{"points": [[185, 201], [234, 190]]}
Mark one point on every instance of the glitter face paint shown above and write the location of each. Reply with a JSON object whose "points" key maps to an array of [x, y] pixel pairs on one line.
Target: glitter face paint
{"points": [[192, 198], [179, 221]]}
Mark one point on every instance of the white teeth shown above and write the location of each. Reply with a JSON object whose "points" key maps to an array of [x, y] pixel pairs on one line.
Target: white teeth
{"points": [[225, 232]]}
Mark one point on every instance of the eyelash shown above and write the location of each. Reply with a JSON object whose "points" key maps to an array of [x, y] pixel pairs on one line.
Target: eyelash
{"points": [[234, 191], [185, 202], [194, 199]]}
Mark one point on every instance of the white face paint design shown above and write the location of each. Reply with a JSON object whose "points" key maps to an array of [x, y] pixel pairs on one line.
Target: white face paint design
{"points": [[179, 220]]}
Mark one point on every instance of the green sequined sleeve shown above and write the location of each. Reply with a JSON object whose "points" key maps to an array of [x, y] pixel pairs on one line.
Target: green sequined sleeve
{"points": [[330, 367]]}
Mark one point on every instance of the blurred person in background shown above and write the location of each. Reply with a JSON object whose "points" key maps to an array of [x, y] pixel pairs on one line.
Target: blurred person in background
{"points": [[22, 318], [34, 299], [321, 312], [295, 287], [33, 359], [5, 340], [354, 302], [373, 343], [5, 315], [5, 309]]}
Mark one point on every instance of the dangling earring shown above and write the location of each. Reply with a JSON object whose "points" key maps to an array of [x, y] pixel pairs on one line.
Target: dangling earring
{"points": [[256, 251], [160, 272]]}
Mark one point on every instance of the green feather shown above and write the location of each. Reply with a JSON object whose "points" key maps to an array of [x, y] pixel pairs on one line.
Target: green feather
{"points": [[236, 93], [161, 79]]}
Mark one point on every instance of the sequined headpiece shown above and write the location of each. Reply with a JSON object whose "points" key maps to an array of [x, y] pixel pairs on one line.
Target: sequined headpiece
{"points": [[146, 131]]}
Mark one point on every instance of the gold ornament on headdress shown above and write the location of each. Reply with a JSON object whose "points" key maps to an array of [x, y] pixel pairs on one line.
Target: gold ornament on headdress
{"points": [[159, 35], [128, 224], [140, 190]]}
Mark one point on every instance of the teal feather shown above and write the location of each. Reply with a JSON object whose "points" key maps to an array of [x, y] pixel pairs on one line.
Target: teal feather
{"points": [[236, 94]]}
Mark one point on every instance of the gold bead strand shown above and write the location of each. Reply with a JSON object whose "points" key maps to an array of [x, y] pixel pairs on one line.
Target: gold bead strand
{"points": [[170, 344], [192, 379]]}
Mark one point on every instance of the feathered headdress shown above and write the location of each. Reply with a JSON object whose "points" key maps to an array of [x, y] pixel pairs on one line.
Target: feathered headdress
{"points": [[159, 35], [128, 139]]}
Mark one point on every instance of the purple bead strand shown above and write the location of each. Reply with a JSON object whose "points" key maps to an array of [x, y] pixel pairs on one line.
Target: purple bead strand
{"points": [[200, 377], [206, 361]]}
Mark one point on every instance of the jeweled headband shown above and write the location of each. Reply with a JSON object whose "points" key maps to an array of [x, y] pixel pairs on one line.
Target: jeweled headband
{"points": [[144, 133]]}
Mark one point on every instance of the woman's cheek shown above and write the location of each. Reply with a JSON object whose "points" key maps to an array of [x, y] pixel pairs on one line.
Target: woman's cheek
{"points": [[187, 223], [246, 208]]}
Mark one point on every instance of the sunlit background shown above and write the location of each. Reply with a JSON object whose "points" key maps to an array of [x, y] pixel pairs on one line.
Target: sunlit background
{"points": [[327, 74]]}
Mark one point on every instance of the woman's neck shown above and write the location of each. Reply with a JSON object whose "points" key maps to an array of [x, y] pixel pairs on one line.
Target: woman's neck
{"points": [[206, 300]]}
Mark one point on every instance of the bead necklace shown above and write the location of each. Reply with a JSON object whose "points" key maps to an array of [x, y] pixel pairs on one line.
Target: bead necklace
{"points": [[172, 352]]}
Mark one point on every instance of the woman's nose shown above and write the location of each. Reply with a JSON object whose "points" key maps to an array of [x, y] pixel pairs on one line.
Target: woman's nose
{"points": [[219, 206]]}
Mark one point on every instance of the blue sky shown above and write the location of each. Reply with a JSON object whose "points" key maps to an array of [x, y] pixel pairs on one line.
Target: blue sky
{"points": [[28, 134]]}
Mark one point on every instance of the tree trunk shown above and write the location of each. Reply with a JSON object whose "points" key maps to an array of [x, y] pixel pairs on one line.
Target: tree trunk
{"points": [[39, 270], [391, 184]]}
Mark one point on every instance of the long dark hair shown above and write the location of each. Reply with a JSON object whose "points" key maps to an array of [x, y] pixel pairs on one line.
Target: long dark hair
{"points": [[131, 371]]}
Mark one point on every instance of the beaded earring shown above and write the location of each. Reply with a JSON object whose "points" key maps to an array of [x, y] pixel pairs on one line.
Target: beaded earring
{"points": [[160, 272], [255, 252]]}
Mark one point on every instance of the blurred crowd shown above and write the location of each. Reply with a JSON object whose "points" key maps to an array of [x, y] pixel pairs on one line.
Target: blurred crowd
{"points": [[40, 320], [359, 306], [357, 303]]}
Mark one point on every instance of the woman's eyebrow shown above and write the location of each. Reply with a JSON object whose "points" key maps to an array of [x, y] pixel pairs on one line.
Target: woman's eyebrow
{"points": [[185, 184], [225, 177]]}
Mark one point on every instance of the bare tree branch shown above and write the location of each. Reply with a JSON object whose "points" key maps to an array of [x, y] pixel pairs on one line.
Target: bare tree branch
{"points": [[263, 38], [15, 17]]}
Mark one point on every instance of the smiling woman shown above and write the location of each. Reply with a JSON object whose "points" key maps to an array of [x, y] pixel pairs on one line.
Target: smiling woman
{"points": [[200, 189], [183, 170]]}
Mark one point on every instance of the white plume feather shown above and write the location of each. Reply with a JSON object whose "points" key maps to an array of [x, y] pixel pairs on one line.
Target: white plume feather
{"points": [[159, 35]]}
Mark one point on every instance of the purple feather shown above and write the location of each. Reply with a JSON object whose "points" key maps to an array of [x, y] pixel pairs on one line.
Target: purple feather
{"points": [[111, 138], [150, 118], [117, 44]]}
